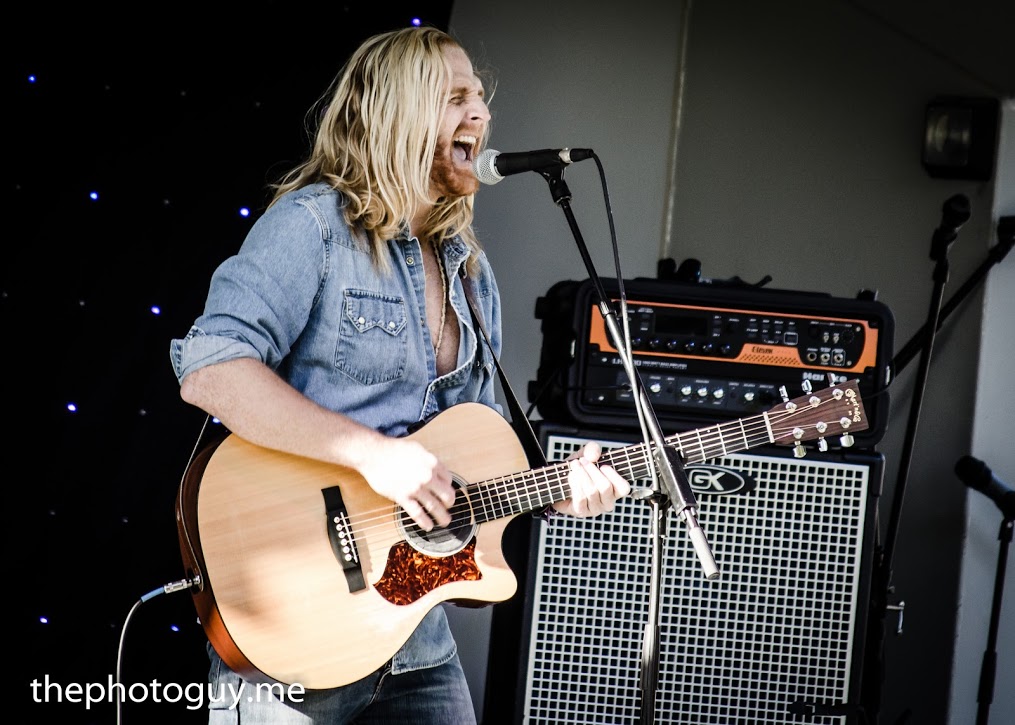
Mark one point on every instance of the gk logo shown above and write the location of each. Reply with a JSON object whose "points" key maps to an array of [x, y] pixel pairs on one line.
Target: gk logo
{"points": [[706, 479], [718, 480]]}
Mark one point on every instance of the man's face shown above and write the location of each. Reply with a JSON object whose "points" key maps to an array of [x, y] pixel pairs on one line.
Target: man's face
{"points": [[465, 120]]}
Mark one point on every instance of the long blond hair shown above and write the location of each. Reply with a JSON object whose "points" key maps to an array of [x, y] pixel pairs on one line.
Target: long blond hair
{"points": [[376, 137]]}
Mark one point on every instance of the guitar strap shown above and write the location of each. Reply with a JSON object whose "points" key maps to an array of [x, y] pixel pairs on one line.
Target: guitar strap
{"points": [[520, 423]]}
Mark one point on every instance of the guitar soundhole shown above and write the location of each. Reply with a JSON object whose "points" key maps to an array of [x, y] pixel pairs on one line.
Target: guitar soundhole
{"points": [[442, 540]]}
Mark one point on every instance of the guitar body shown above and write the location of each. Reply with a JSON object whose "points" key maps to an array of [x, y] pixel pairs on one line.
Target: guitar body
{"points": [[274, 599]]}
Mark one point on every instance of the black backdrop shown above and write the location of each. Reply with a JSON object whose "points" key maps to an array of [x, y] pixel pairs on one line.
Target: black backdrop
{"points": [[177, 120]]}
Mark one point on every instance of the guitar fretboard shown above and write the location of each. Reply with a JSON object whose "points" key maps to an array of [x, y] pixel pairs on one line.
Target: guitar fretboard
{"points": [[538, 488], [832, 410]]}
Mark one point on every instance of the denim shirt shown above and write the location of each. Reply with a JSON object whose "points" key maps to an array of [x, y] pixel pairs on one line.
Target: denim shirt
{"points": [[304, 296]]}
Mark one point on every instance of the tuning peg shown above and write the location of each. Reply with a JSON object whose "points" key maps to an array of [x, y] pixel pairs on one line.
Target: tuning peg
{"points": [[799, 451], [784, 393], [806, 386], [846, 440], [822, 444]]}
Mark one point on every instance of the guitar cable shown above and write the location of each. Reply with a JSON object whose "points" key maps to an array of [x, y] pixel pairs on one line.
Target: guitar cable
{"points": [[194, 583], [171, 587], [175, 586]]}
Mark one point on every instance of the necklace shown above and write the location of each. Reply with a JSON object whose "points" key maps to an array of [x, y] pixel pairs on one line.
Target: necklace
{"points": [[444, 300]]}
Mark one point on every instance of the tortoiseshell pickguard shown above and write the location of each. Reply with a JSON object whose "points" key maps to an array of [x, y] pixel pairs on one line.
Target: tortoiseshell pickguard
{"points": [[409, 574]]}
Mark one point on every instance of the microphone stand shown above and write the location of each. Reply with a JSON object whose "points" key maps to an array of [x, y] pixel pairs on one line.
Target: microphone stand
{"points": [[988, 668], [955, 213], [1005, 241], [668, 465]]}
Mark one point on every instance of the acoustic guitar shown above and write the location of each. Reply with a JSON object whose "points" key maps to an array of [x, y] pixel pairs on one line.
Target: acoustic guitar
{"points": [[304, 574]]}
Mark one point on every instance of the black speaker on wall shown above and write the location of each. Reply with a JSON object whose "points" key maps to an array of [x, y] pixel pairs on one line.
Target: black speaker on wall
{"points": [[777, 638]]}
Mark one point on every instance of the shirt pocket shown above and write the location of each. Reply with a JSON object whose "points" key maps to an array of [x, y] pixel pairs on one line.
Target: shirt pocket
{"points": [[372, 341]]}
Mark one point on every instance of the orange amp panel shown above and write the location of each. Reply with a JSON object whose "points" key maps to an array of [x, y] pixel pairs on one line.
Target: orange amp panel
{"points": [[707, 353]]}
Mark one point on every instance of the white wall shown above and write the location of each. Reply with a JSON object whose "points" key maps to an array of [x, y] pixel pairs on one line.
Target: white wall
{"points": [[798, 158], [992, 443]]}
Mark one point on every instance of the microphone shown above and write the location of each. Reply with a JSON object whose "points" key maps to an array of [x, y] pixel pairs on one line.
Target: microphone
{"points": [[492, 166], [954, 213], [976, 474]]}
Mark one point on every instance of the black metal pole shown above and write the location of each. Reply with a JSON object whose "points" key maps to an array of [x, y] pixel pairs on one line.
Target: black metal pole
{"points": [[955, 213], [988, 669]]}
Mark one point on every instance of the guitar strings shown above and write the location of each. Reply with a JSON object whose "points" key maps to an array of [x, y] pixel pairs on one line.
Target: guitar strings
{"points": [[499, 497], [635, 456]]}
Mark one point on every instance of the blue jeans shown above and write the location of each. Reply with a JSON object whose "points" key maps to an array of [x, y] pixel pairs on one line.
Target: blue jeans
{"points": [[429, 696]]}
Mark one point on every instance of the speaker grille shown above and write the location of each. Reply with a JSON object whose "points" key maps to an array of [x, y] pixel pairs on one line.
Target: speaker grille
{"points": [[777, 632]]}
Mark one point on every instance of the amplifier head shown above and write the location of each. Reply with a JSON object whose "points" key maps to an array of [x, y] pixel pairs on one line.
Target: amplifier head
{"points": [[707, 354]]}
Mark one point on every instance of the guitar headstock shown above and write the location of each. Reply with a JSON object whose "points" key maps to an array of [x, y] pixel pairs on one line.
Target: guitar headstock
{"points": [[835, 410]]}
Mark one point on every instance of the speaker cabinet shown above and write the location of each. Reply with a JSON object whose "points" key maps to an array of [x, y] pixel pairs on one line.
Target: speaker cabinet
{"points": [[777, 638]]}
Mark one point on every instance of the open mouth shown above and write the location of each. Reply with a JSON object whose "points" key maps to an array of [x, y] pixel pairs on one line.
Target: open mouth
{"points": [[463, 147]]}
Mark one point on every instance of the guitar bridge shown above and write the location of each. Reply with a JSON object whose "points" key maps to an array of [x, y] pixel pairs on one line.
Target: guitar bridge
{"points": [[343, 544]]}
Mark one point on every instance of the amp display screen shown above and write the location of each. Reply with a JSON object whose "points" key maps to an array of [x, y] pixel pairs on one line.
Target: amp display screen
{"points": [[681, 325]]}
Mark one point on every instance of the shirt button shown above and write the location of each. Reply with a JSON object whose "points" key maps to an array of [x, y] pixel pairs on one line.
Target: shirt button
{"points": [[391, 325], [410, 261], [362, 320]]}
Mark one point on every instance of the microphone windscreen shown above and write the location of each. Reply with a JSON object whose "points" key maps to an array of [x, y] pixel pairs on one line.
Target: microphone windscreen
{"points": [[485, 168]]}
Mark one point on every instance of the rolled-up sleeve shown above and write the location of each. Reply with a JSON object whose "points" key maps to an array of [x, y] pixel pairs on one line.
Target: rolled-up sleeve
{"points": [[259, 300]]}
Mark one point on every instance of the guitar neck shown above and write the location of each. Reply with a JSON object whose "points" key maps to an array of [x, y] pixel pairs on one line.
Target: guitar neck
{"points": [[539, 487]]}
